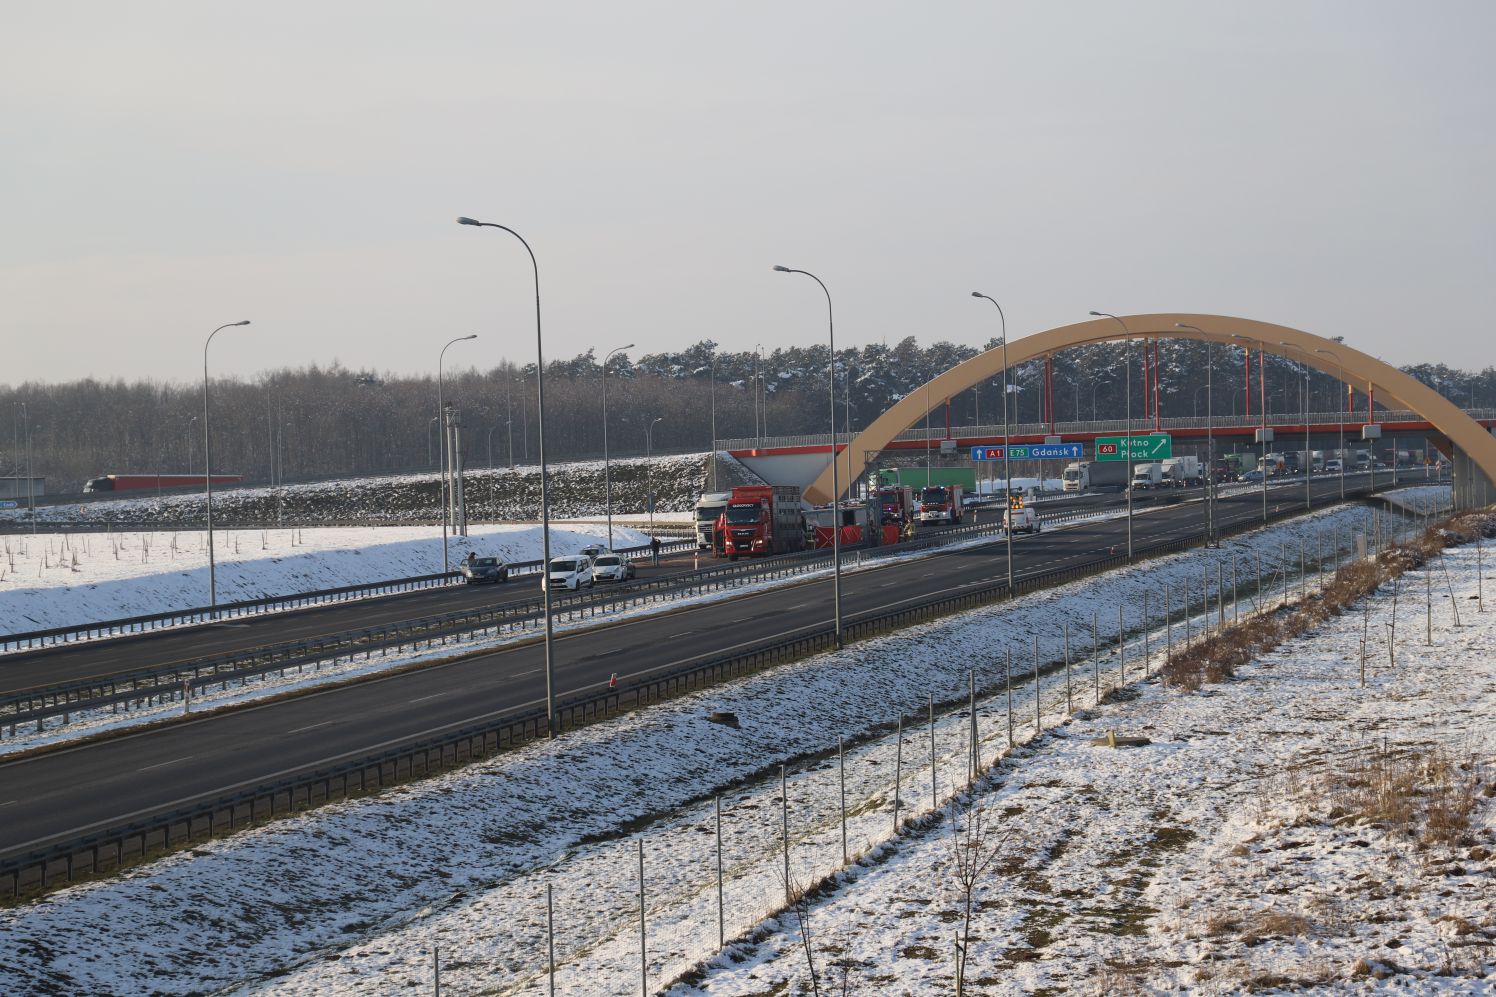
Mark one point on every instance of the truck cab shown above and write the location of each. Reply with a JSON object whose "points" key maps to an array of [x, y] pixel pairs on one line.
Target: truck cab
{"points": [[940, 504]]}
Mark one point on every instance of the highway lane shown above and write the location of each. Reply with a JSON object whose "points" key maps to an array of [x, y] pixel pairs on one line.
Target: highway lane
{"points": [[92, 660], [63, 794]]}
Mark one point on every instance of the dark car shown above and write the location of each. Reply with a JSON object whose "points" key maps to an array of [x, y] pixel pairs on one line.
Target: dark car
{"points": [[476, 570]]}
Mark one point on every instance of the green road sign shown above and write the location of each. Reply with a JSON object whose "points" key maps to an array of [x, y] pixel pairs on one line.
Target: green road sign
{"points": [[1154, 446]]}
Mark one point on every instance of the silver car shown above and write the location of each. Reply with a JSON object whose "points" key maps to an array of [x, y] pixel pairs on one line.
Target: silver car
{"points": [[612, 567]]}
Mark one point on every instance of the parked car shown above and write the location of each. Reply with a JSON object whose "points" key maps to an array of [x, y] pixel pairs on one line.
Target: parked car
{"points": [[611, 567], [1253, 475], [477, 570], [568, 573]]}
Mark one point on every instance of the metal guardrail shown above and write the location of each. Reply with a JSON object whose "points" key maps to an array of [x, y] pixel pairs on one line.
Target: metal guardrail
{"points": [[112, 849], [252, 607], [936, 433]]}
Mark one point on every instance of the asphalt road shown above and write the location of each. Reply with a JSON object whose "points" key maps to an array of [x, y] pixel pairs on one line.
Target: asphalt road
{"points": [[98, 659], [62, 795]]}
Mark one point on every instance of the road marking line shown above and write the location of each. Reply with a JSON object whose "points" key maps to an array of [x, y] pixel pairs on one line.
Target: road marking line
{"points": [[418, 699], [147, 768], [298, 730], [681, 634], [9, 803]]}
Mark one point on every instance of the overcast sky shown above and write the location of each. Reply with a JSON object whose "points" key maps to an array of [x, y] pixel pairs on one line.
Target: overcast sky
{"points": [[169, 167]]}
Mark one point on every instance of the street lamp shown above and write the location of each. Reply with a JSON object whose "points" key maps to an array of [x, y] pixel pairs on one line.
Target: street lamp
{"points": [[712, 392], [1308, 460], [835, 478], [1126, 366], [1007, 443], [208, 467], [545, 498], [1262, 411], [441, 413], [607, 468], [1340, 414], [648, 480], [191, 445], [1210, 474]]}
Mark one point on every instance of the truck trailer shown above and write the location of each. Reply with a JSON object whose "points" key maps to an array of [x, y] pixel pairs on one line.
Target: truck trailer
{"points": [[760, 520], [1182, 472], [1147, 475], [1095, 475]]}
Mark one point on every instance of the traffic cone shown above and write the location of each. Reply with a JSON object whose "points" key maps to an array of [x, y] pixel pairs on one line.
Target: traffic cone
{"points": [[613, 681]]}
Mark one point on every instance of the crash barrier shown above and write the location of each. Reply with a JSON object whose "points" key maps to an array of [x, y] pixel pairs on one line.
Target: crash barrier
{"points": [[251, 607], [105, 851]]}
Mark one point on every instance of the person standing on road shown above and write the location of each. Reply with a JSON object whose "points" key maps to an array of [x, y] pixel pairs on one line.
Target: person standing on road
{"points": [[654, 549]]}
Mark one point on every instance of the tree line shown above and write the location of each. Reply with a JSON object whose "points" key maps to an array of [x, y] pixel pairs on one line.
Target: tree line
{"points": [[317, 422]]}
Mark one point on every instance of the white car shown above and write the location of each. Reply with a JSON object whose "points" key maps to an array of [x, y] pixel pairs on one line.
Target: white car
{"points": [[611, 567], [568, 573]]}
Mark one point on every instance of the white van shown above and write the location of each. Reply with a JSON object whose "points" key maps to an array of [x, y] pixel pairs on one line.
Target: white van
{"points": [[568, 572], [1024, 520]]}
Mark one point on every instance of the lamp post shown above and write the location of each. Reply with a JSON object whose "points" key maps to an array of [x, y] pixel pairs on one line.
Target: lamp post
{"points": [[441, 413], [1262, 411], [192, 445], [1007, 443], [1210, 474], [1126, 366], [712, 393], [1308, 460], [509, 417], [1341, 419], [758, 433], [208, 468], [835, 478], [607, 468], [648, 479], [545, 498]]}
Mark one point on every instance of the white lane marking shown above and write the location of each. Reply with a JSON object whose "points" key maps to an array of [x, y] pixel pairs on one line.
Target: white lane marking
{"points": [[298, 730], [418, 699], [147, 768], [9, 803], [681, 634], [532, 671]]}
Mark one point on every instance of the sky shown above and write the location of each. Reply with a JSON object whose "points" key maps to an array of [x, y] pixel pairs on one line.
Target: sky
{"points": [[170, 167]]}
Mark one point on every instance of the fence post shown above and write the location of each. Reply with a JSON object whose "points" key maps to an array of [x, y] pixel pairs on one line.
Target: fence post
{"points": [[643, 944], [1096, 656], [436, 970], [550, 941], [1008, 677], [934, 795], [721, 906], [1121, 649], [784, 827], [898, 773], [973, 760], [1147, 626], [841, 767], [1069, 701], [1220, 597]]}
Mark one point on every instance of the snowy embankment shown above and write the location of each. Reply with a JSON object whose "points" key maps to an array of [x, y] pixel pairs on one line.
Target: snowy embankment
{"points": [[491, 495], [55, 580], [353, 898]]}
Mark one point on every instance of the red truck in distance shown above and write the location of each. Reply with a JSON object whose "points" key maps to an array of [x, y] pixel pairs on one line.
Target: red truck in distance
{"points": [[895, 504], [153, 482], [940, 504], [761, 520]]}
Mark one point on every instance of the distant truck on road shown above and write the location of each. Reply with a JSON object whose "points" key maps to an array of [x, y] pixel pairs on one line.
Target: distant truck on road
{"points": [[760, 520], [1149, 475], [940, 504], [708, 510], [1094, 475], [144, 482], [1183, 472]]}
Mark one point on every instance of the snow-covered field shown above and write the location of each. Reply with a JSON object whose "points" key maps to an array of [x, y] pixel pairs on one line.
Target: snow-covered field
{"points": [[54, 580], [353, 898]]}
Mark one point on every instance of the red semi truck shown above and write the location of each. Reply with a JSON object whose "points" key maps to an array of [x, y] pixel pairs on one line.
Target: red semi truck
{"points": [[142, 482], [761, 520]]}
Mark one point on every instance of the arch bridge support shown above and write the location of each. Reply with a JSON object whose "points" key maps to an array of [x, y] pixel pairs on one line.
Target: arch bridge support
{"points": [[1474, 449]]}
